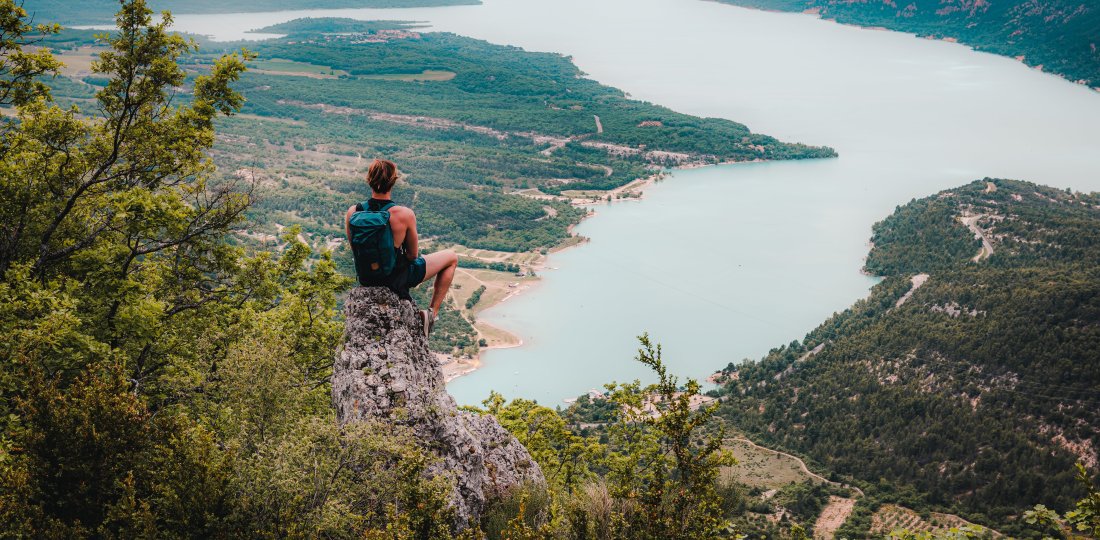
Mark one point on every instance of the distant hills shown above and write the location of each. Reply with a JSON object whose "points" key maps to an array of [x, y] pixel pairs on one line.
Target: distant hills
{"points": [[103, 11], [968, 380], [1062, 36]]}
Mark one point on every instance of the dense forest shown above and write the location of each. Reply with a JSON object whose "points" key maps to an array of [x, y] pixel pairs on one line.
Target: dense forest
{"points": [[103, 11], [1062, 36], [974, 391]]}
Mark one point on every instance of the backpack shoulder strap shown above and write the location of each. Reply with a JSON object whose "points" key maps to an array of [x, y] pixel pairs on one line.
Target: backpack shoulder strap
{"points": [[366, 205]]}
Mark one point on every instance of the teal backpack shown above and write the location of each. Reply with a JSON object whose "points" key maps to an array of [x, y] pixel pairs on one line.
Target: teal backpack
{"points": [[372, 242]]}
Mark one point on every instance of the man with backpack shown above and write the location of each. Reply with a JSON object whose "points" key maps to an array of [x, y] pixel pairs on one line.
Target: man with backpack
{"points": [[385, 245]]}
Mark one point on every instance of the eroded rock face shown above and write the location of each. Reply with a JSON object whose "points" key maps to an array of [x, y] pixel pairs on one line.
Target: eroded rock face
{"points": [[384, 370]]}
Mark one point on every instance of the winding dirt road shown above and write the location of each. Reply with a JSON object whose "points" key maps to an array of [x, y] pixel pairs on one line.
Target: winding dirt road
{"points": [[801, 465], [971, 223]]}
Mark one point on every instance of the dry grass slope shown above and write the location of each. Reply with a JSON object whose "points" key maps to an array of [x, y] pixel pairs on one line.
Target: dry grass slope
{"points": [[764, 468]]}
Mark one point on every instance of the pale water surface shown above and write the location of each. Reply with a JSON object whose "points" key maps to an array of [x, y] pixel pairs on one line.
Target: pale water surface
{"points": [[776, 247]]}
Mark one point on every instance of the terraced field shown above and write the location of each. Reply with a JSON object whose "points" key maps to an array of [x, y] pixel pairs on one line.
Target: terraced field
{"points": [[891, 517]]}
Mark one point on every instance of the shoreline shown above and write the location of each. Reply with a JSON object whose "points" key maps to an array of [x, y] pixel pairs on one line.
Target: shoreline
{"points": [[461, 367]]}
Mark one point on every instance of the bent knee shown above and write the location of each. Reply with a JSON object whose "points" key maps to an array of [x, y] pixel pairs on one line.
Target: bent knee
{"points": [[451, 258]]}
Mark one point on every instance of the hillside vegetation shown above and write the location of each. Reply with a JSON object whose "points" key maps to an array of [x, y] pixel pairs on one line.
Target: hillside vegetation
{"points": [[1062, 36], [967, 381]]}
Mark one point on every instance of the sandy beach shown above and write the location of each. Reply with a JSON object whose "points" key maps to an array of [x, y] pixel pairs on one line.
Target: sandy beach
{"points": [[454, 368], [498, 288]]}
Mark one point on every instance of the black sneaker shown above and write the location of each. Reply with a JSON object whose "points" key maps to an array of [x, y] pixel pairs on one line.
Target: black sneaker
{"points": [[427, 320]]}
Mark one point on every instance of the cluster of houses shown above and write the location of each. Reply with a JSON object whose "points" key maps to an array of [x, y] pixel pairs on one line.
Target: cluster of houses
{"points": [[378, 36]]}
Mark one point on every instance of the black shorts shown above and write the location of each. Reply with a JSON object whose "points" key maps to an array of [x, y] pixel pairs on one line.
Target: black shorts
{"points": [[406, 275], [415, 274]]}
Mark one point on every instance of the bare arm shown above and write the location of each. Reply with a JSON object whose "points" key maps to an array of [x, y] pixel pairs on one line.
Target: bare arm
{"points": [[347, 224], [412, 242]]}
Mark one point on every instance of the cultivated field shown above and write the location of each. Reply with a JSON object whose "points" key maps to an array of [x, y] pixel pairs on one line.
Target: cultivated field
{"points": [[891, 517]]}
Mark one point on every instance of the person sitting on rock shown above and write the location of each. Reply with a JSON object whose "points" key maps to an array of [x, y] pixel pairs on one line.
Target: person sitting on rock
{"points": [[385, 244]]}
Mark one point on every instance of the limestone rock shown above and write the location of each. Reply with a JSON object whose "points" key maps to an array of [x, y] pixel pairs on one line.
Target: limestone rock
{"points": [[384, 370]]}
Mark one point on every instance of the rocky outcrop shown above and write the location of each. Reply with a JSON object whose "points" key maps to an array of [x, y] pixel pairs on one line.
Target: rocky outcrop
{"points": [[385, 371]]}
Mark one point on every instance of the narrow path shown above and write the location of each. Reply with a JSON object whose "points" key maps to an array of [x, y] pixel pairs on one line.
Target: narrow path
{"points": [[812, 352], [917, 281], [599, 126], [801, 465], [473, 277], [305, 74], [553, 146]]}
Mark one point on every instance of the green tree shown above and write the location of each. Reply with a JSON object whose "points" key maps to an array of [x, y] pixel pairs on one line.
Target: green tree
{"points": [[156, 382], [655, 477], [567, 459], [1081, 522], [20, 69], [662, 462]]}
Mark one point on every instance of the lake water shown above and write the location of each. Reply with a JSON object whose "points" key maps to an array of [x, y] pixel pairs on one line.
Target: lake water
{"points": [[776, 247]]}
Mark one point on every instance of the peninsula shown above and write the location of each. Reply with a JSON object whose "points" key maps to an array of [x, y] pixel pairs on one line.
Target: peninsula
{"points": [[504, 150]]}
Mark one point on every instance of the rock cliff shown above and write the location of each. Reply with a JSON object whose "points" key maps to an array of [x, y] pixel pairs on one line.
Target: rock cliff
{"points": [[385, 371]]}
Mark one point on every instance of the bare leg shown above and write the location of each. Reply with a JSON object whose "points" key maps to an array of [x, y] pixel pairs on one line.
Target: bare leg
{"points": [[440, 264]]}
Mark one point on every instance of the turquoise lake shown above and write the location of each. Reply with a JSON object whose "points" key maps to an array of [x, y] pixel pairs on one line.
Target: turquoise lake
{"points": [[724, 263]]}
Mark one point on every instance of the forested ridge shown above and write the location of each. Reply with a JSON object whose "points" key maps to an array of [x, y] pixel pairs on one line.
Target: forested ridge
{"points": [[976, 394], [1062, 36], [506, 120]]}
